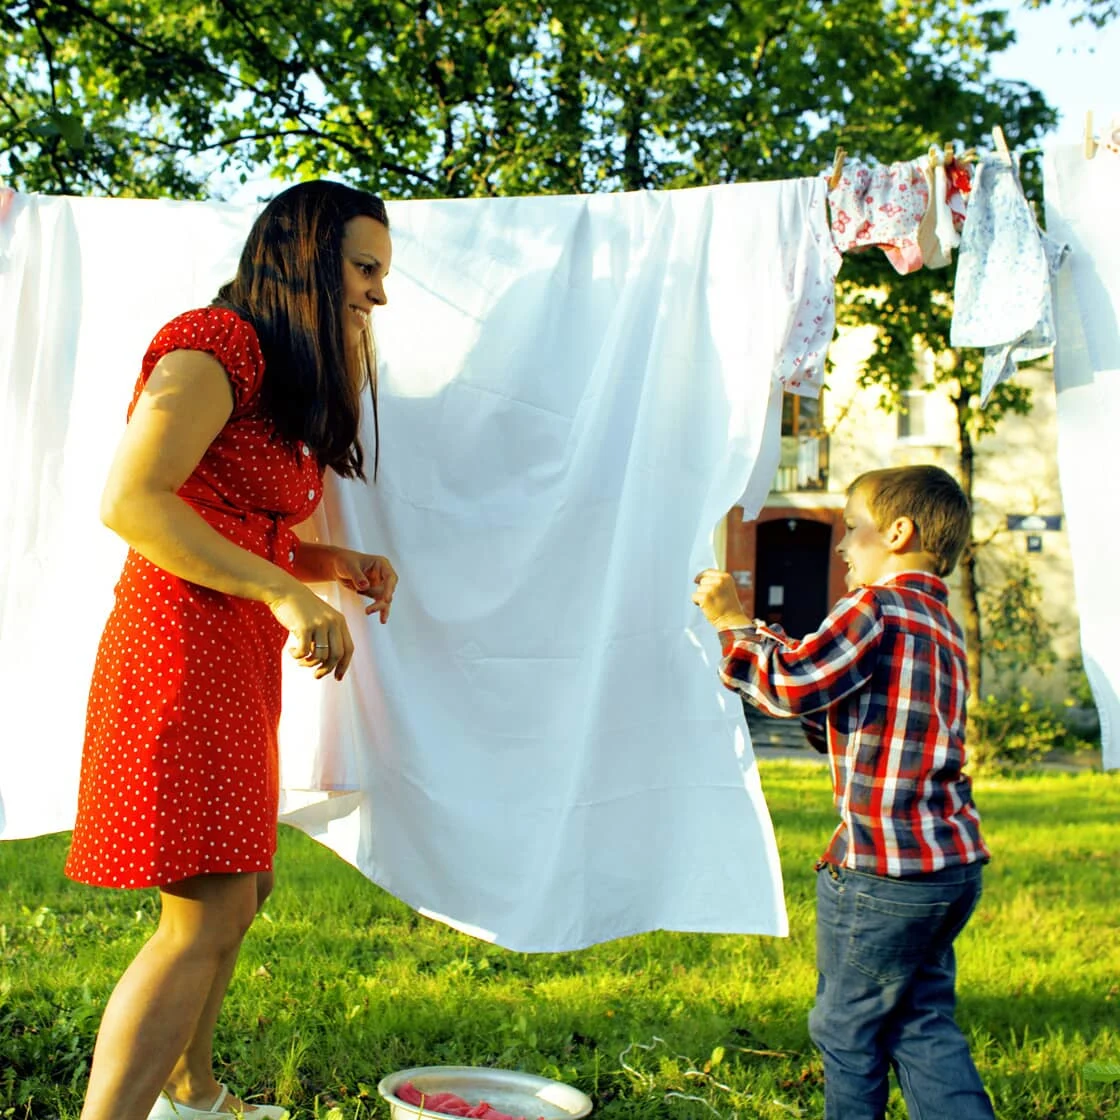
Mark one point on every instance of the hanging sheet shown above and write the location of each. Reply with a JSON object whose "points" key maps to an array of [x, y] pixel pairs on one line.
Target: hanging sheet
{"points": [[536, 749], [1081, 199]]}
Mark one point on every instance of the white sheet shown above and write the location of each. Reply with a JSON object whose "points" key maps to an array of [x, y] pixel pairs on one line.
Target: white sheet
{"points": [[1081, 197], [574, 390]]}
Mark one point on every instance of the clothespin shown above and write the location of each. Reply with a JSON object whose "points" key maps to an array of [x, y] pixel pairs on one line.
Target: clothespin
{"points": [[837, 169], [949, 155], [1001, 144], [1090, 139], [968, 156], [1113, 141]]}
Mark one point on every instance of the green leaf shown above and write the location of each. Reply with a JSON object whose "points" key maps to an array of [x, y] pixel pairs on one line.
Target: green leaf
{"points": [[71, 130], [1101, 1071]]}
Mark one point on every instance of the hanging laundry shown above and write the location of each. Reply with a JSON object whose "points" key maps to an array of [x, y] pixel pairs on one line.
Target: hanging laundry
{"points": [[958, 189], [949, 182], [1002, 299], [1081, 199], [574, 390], [811, 266], [880, 204]]}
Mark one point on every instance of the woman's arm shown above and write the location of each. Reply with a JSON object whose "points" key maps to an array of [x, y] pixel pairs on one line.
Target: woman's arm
{"points": [[367, 574], [184, 405]]}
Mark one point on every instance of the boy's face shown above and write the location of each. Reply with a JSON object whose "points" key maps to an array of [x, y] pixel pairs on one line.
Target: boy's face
{"points": [[864, 546]]}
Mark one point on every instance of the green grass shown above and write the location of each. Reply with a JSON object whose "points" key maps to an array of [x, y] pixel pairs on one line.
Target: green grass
{"points": [[340, 984]]}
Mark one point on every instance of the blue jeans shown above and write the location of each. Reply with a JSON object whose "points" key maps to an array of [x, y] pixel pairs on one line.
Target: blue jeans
{"points": [[886, 978]]}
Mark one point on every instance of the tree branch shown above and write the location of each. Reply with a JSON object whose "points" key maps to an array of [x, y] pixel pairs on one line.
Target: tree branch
{"points": [[272, 134]]}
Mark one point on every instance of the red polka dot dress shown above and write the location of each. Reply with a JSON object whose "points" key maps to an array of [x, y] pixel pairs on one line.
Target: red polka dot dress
{"points": [[180, 771]]}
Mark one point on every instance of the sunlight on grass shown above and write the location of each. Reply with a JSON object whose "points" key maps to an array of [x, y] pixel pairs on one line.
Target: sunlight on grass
{"points": [[341, 984]]}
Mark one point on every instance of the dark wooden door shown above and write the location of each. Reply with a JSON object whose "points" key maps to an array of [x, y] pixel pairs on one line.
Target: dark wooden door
{"points": [[791, 573]]}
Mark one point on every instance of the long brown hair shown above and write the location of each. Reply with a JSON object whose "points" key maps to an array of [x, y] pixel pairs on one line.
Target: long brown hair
{"points": [[289, 288]]}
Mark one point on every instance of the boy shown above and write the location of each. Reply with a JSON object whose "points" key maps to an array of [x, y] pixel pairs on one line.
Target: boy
{"points": [[885, 678]]}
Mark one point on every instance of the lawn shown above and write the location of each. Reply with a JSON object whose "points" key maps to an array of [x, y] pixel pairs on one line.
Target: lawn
{"points": [[340, 984]]}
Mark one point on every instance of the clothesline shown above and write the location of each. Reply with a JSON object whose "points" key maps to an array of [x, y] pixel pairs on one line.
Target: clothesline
{"points": [[920, 211], [546, 471]]}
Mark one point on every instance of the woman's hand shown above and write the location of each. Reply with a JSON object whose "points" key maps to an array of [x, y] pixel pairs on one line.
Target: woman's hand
{"points": [[320, 637], [371, 576]]}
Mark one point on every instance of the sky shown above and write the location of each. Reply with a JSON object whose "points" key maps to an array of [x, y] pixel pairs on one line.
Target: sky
{"points": [[1076, 68]]}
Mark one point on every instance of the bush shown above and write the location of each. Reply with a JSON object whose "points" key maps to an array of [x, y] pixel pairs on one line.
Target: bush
{"points": [[1018, 638], [1015, 732], [1080, 694]]}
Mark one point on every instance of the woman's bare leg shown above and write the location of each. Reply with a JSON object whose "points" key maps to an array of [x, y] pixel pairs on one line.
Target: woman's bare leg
{"points": [[192, 1080], [156, 1005]]}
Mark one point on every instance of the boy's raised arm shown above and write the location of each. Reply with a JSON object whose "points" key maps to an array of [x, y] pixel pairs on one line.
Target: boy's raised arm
{"points": [[784, 677]]}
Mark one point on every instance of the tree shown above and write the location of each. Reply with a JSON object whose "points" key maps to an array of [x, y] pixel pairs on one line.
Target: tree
{"points": [[423, 98]]}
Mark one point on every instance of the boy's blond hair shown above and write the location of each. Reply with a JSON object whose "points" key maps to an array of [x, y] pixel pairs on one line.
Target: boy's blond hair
{"points": [[931, 498]]}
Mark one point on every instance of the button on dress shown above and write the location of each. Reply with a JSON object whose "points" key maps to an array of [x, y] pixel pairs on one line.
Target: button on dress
{"points": [[180, 772]]}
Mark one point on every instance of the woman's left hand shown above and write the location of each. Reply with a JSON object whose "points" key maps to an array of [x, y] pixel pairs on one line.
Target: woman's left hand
{"points": [[371, 576]]}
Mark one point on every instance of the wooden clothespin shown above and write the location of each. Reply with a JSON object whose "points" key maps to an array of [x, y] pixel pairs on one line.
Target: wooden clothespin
{"points": [[1111, 139], [1090, 139], [1001, 144], [837, 169], [949, 154]]}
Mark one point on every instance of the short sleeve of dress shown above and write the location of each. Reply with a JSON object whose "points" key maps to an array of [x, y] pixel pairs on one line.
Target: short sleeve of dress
{"points": [[217, 331]]}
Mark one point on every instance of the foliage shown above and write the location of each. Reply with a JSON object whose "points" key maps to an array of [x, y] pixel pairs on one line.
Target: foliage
{"points": [[1108, 1072], [1016, 731], [340, 984], [1017, 635], [1079, 690], [420, 98]]}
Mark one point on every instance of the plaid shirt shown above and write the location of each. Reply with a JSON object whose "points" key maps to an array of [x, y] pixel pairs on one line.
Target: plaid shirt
{"points": [[886, 670]]}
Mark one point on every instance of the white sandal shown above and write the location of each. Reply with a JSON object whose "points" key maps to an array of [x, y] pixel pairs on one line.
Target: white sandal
{"points": [[167, 1108]]}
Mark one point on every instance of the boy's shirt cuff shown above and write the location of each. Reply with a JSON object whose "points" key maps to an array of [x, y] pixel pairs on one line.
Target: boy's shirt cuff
{"points": [[757, 632]]}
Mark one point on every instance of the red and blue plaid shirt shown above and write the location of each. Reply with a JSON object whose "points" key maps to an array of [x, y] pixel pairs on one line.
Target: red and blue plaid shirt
{"points": [[887, 672]]}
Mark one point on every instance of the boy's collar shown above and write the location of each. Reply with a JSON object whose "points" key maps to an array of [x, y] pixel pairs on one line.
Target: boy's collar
{"points": [[910, 573]]}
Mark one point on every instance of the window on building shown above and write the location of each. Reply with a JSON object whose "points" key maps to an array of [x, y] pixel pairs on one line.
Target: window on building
{"points": [[912, 420], [804, 454], [801, 416]]}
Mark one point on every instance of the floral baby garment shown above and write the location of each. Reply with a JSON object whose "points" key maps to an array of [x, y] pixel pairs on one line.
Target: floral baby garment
{"points": [[881, 204]]}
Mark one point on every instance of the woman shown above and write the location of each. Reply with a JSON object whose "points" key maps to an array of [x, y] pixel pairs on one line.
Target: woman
{"points": [[239, 409]]}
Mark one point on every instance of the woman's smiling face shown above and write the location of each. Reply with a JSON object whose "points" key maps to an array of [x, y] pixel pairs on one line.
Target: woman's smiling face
{"points": [[367, 252]]}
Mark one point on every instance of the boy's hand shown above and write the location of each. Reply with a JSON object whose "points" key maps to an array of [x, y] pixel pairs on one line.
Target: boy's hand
{"points": [[717, 598]]}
